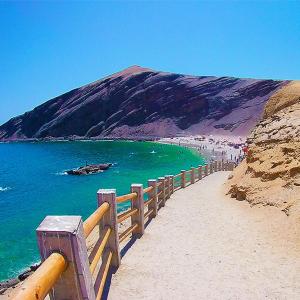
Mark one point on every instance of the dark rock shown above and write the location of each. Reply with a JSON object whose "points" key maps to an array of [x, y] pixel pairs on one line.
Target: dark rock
{"points": [[89, 169]]}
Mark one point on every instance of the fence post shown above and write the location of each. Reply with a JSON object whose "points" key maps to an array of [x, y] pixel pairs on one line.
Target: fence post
{"points": [[216, 166], [206, 170], [211, 168], [65, 236], [172, 183], [110, 220], [192, 175], [183, 175], [139, 204], [162, 190], [168, 177], [220, 166], [200, 172], [153, 194]]}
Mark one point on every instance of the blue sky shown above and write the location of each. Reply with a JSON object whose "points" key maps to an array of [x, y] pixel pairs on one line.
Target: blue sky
{"points": [[48, 48]]}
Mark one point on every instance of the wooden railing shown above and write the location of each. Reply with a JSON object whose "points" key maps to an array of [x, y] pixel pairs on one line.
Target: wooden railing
{"points": [[68, 271]]}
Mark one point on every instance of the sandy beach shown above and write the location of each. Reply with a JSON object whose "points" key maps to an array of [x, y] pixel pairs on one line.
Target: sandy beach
{"points": [[204, 245], [214, 147]]}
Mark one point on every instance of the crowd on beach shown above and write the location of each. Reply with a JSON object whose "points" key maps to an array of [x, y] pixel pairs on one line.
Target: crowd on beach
{"points": [[213, 147]]}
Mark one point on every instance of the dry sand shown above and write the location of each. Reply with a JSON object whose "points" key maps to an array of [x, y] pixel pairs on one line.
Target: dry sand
{"points": [[203, 245]]}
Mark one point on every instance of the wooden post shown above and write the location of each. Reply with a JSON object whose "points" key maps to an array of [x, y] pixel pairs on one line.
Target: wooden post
{"points": [[110, 220], [206, 170], [183, 175], [153, 194], [162, 190], [168, 177], [172, 183], [215, 166], [220, 166], [211, 168], [200, 172], [65, 236], [139, 204], [192, 175]]}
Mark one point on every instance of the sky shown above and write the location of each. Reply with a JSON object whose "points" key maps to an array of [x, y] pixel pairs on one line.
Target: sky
{"points": [[48, 48]]}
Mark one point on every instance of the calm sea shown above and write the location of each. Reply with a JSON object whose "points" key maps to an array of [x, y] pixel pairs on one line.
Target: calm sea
{"points": [[33, 184]]}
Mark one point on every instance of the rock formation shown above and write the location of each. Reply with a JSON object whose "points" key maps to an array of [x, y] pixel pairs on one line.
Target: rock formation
{"points": [[270, 175], [140, 102]]}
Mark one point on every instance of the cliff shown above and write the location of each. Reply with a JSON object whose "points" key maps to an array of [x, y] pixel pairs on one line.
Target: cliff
{"points": [[270, 175], [139, 102]]}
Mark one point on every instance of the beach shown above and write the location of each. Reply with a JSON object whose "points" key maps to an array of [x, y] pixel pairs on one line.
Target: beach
{"points": [[213, 147]]}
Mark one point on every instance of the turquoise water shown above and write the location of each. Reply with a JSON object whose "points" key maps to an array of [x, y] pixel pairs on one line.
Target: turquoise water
{"points": [[33, 184]]}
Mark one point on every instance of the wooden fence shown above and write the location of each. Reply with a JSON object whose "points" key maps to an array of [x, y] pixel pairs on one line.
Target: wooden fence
{"points": [[68, 271]]}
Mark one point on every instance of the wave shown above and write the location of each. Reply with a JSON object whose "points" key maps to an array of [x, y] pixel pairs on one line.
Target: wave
{"points": [[4, 189], [63, 173], [153, 152]]}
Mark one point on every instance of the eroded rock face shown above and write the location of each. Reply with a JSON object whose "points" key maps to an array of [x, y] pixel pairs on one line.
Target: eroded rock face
{"points": [[141, 102], [271, 173]]}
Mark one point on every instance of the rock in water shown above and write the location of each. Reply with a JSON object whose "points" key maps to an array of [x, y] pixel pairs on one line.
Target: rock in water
{"points": [[89, 169]]}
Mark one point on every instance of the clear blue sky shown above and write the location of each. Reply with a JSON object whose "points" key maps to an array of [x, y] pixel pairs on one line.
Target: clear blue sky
{"points": [[48, 48]]}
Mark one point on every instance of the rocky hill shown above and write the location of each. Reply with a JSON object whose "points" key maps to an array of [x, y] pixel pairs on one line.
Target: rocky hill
{"points": [[270, 175], [139, 102]]}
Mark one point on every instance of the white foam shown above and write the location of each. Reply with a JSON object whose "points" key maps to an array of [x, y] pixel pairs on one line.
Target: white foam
{"points": [[4, 189], [63, 173]]}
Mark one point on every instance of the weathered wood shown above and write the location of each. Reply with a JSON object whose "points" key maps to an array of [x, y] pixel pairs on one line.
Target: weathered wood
{"points": [[215, 166], [110, 219], [38, 285], [127, 232], [168, 187], [211, 168], [162, 197], [200, 172], [172, 183], [94, 219], [127, 197], [183, 178], [153, 194], [206, 170], [192, 175], [139, 204], [65, 235]]}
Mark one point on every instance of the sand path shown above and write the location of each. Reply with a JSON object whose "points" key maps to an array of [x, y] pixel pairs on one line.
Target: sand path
{"points": [[203, 245]]}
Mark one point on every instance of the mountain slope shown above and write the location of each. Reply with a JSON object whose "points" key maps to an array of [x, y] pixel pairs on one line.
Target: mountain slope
{"points": [[139, 102]]}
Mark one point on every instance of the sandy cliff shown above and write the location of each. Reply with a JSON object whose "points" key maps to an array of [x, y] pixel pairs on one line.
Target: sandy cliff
{"points": [[270, 175], [139, 102]]}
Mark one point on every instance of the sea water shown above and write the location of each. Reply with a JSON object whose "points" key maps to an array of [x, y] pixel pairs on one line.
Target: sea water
{"points": [[33, 184]]}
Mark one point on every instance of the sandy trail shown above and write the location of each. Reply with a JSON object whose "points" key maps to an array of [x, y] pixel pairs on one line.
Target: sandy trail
{"points": [[203, 245]]}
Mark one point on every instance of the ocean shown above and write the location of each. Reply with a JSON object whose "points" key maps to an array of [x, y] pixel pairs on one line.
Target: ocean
{"points": [[33, 184]]}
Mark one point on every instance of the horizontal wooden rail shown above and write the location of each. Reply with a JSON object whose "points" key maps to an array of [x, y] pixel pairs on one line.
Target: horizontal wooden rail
{"points": [[103, 274], [100, 250], [159, 184], [148, 213], [38, 285], [148, 189], [158, 194], [127, 197], [177, 176], [148, 201], [128, 213], [125, 234], [90, 223]]}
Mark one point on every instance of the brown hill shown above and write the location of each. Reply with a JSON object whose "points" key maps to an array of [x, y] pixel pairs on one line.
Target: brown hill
{"points": [[140, 102]]}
